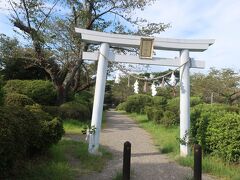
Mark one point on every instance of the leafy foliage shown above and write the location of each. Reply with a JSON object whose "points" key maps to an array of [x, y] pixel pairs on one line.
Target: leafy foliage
{"points": [[40, 91], [1, 91], [212, 126], [74, 110], [16, 62], [223, 135], [121, 106], [159, 101], [25, 133], [169, 119], [201, 115], [137, 103], [154, 113], [219, 86], [15, 99], [58, 48]]}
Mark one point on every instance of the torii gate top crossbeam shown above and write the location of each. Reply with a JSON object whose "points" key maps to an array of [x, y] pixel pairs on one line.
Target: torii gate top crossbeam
{"points": [[134, 41]]}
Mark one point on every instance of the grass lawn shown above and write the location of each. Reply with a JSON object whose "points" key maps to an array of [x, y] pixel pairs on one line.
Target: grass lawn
{"points": [[166, 140], [66, 160], [72, 126]]}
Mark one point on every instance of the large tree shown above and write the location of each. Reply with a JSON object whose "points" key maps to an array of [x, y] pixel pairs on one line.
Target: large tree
{"points": [[16, 61], [49, 27]]}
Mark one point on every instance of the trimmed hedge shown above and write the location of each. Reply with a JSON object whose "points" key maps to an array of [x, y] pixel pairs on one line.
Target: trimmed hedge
{"points": [[42, 92], [18, 128], [223, 137], [25, 132], [212, 126], [136, 103], [70, 110], [15, 99], [74, 110], [201, 115]]}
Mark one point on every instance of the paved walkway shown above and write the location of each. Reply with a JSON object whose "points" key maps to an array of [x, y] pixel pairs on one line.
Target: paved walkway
{"points": [[146, 162]]}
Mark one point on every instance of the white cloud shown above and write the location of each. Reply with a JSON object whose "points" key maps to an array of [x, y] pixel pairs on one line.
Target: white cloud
{"points": [[211, 19]]}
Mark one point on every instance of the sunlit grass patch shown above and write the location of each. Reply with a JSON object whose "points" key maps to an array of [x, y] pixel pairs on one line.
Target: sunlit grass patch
{"points": [[72, 126]]}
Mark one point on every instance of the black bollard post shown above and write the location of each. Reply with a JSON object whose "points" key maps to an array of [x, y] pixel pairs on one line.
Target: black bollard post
{"points": [[126, 160], [197, 162]]}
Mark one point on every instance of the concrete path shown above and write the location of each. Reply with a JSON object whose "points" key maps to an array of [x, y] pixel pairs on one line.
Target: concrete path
{"points": [[146, 163]]}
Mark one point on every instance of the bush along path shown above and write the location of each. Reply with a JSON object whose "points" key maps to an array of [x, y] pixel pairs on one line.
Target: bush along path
{"points": [[146, 162]]}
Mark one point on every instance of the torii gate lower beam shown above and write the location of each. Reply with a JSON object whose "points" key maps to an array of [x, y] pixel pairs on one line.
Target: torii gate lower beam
{"points": [[181, 45]]}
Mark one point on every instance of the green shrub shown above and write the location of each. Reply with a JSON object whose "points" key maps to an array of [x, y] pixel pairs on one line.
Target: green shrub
{"points": [[69, 110], [1, 91], [169, 119], [201, 115], [15, 99], [223, 137], [159, 101], [38, 112], [52, 110], [136, 103], [83, 97], [25, 132], [51, 129], [149, 112], [18, 129], [174, 105], [154, 114], [157, 115], [121, 106], [42, 92], [216, 127], [195, 100], [74, 110]]}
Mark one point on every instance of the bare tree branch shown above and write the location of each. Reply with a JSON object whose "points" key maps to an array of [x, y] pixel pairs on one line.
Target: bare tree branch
{"points": [[10, 2], [47, 15], [27, 13]]}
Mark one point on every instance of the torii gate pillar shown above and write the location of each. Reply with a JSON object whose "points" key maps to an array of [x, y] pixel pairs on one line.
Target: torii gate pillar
{"points": [[184, 100], [98, 98]]}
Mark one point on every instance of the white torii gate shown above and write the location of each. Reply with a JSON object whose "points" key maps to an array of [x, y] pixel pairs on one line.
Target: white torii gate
{"points": [[117, 40]]}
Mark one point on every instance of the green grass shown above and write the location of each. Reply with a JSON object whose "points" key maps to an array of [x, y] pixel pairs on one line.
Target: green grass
{"points": [[166, 140], [214, 166], [72, 126], [66, 160]]}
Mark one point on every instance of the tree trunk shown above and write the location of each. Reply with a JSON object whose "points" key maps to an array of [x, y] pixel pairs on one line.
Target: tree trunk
{"points": [[61, 95]]}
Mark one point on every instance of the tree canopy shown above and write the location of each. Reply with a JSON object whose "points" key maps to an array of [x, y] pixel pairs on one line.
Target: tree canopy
{"points": [[220, 86], [49, 28]]}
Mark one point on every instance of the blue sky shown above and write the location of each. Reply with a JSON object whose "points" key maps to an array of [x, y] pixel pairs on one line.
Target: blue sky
{"points": [[205, 19]]}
